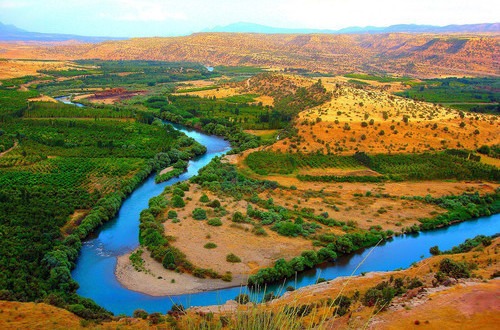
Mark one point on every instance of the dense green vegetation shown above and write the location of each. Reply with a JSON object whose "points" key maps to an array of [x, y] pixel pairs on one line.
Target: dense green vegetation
{"points": [[460, 208], [472, 94], [139, 74], [453, 164], [238, 70], [340, 245], [17, 82], [67, 159], [70, 72], [196, 111], [382, 79], [61, 110], [227, 117], [13, 103], [468, 245], [429, 166], [267, 162]]}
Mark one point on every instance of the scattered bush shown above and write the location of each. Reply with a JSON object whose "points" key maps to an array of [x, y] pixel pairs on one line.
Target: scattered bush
{"points": [[454, 269], [242, 299], [199, 214], [210, 245], [215, 222], [177, 201], [232, 258]]}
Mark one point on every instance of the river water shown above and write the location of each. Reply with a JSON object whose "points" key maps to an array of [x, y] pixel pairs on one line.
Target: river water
{"points": [[67, 100], [96, 264]]}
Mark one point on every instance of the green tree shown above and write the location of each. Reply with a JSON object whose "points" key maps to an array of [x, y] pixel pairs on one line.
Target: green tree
{"points": [[169, 260]]}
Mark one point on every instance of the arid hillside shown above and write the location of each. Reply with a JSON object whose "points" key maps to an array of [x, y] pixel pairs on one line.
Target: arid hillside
{"points": [[374, 121], [421, 55]]}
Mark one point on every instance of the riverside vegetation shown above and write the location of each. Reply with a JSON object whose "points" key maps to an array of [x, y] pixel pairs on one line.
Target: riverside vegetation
{"points": [[69, 169]]}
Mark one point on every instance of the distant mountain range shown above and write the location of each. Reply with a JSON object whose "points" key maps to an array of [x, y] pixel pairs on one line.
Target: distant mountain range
{"points": [[13, 33], [244, 27]]}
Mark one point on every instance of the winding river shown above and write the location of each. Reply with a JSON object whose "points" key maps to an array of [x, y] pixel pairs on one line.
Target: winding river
{"points": [[96, 264]]}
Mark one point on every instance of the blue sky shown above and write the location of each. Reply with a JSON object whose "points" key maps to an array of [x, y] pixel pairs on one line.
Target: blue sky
{"points": [[138, 18]]}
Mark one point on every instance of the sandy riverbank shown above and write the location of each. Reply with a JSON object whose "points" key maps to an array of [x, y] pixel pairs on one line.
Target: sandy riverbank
{"points": [[159, 281]]}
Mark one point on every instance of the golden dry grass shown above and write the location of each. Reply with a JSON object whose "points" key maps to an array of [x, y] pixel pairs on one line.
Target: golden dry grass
{"points": [[471, 305], [20, 68], [17, 315], [430, 127]]}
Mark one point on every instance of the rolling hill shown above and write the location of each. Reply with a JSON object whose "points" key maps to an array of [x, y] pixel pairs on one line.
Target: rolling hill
{"points": [[418, 55]]}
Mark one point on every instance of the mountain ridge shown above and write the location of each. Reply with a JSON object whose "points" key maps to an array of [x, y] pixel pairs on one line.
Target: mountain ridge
{"points": [[9, 32], [13, 33], [247, 27]]}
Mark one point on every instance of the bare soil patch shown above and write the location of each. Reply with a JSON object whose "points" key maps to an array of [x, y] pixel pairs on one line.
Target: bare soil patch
{"points": [[255, 251], [110, 96], [158, 281]]}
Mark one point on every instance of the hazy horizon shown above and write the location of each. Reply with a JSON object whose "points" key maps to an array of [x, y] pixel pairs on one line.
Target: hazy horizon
{"points": [[141, 18]]}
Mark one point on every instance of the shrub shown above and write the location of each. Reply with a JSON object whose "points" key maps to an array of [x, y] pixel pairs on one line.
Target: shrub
{"points": [[343, 304], [227, 277], [204, 198], [199, 214], [215, 222], [184, 186], [177, 308], [269, 296], [169, 260], [454, 269], [242, 299], [379, 296], [210, 245], [155, 318], [177, 201], [287, 228], [435, 250], [178, 192], [484, 149], [259, 231], [232, 258], [172, 214], [140, 314], [214, 204], [238, 217]]}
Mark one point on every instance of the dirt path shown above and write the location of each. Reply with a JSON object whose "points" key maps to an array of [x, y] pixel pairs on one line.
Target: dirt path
{"points": [[6, 151]]}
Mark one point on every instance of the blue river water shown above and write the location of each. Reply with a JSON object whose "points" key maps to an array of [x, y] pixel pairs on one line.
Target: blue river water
{"points": [[96, 264], [67, 100]]}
